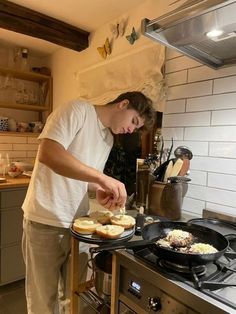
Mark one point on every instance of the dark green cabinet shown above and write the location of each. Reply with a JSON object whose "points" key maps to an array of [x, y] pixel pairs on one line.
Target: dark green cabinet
{"points": [[11, 217]]}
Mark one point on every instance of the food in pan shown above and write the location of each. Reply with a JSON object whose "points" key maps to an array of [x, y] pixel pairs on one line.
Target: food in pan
{"points": [[182, 241], [110, 231], [164, 243], [102, 216], [179, 238], [125, 221], [86, 225], [202, 248]]}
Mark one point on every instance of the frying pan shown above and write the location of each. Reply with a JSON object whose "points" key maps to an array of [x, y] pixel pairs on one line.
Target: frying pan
{"points": [[157, 230]]}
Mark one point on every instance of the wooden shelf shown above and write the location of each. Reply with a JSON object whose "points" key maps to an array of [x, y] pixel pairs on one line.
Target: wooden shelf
{"points": [[43, 109], [29, 76], [19, 133], [24, 107]]}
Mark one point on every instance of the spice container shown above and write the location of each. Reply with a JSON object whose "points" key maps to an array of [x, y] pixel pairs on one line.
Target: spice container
{"points": [[24, 59]]}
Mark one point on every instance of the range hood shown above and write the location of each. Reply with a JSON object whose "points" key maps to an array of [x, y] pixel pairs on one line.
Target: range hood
{"points": [[185, 29]]}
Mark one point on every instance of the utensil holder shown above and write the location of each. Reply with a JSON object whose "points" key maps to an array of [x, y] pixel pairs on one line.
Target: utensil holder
{"points": [[166, 199]]}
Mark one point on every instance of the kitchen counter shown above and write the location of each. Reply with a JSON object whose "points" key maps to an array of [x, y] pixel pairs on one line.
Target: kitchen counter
{"points": [[19, 181]]}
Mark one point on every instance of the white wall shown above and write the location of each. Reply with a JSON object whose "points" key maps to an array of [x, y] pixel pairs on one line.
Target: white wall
{"points": [[66, 64], [201, 114], [200, 111]]}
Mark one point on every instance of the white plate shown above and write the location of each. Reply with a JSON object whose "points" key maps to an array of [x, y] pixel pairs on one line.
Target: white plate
{"points": [[27, 173]]}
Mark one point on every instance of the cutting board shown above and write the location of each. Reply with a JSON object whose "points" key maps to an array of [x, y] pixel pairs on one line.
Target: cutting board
{"points": [[168, 170], [176, 168]]}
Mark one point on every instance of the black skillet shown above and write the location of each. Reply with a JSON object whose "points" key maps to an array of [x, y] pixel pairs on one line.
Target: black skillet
{"points": [[200, 234], [157, 230]]}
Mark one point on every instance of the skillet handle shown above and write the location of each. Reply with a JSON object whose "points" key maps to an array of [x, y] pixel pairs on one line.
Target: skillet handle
{"points": [[125, 245]]}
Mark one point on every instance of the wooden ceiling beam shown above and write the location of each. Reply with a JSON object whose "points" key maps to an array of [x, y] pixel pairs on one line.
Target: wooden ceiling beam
{"points": [[29, 22]]}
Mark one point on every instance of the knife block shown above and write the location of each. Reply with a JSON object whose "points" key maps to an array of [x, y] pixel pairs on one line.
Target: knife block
{"points": [[166, 199]]}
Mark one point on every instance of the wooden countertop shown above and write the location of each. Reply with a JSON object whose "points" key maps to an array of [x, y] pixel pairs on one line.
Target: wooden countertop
{"points": [[20, 181]]}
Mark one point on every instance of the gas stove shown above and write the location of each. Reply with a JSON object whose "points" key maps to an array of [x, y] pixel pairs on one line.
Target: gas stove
{"points": [[148, 284]]}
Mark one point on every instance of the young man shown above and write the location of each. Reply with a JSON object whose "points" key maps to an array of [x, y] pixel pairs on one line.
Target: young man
{"points": [[74, 146]]}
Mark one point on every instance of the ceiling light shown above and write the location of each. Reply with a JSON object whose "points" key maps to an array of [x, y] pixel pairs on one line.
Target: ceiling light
{"points": [[214, 33]]}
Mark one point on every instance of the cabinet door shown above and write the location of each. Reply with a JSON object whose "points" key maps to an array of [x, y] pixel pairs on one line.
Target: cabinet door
{"points": [[11, 226], [12, 264], [12, 198]]}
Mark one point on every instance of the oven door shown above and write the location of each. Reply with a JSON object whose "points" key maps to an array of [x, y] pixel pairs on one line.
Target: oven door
{"points": [[124, 309], [90, 303]]}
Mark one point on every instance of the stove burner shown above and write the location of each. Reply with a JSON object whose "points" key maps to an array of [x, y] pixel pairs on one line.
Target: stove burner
{"points": [[199, 270]]}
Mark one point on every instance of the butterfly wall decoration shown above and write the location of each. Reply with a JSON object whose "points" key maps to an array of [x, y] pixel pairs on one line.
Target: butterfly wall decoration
{"points": [[132, 37], [118, 29], [105, 49]]}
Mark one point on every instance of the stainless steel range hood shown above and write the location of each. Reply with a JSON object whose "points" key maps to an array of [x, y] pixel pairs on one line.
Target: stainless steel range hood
{"points": [[185, 29]]}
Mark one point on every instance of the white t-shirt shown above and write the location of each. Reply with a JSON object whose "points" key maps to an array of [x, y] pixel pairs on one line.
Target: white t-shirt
{"points": [[51, 198]]}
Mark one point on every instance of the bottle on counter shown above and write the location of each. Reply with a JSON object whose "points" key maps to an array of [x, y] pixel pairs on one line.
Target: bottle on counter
{"points": [[140, 220]]}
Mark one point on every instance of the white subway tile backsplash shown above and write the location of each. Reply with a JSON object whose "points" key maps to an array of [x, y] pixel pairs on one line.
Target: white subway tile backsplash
{"points": [[224, 117], [213, 102], [222, 208], [175, 106], [31, 154], [190, 215], [224, 85], [180, 63], [193, 206], [198, 177], [17, 155], [176, 78], [212, 164], [222, 181], [205, 73], [5, 147], [214, 133], [211, 134], [198, 148], [33, 140], [197, 192], [190, 90], [222, 149], [25, 147], [176, 133], [186, 119], [219, 196], [171, 53], [12, 139]]}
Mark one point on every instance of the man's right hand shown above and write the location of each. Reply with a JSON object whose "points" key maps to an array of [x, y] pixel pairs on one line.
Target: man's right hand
{"points": [[112, 194]]}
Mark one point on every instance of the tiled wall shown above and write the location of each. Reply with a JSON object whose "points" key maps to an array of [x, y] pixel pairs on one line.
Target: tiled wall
{"points": [[201, 114], [19, 146]]}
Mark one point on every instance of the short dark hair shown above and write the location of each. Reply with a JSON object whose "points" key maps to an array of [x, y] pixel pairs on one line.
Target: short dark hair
{"points": [[142, 104]]}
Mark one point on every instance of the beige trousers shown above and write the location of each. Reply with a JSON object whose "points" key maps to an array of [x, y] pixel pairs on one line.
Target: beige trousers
{"points": [[46, 252]]}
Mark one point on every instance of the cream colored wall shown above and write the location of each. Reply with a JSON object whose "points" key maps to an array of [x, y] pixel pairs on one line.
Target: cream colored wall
{"points": [[66, 63]]}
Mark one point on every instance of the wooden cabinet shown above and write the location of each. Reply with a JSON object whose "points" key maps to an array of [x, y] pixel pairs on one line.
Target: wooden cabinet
{"points": [[12, 266], [43, 105]]}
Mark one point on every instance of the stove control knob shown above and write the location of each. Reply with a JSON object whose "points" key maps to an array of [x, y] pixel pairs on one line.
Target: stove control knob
{"points": [[154, 304]]}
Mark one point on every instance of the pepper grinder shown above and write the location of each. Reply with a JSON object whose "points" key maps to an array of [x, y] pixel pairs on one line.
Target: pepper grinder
{"points": [[140, 219]]}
